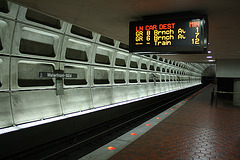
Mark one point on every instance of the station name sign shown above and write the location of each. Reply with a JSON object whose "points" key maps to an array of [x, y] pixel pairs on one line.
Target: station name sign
{"points": [[169, 36], [57, 75]]}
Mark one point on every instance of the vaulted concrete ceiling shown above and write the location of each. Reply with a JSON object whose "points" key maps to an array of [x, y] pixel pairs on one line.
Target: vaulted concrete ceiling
{"points": [[112, 17]]}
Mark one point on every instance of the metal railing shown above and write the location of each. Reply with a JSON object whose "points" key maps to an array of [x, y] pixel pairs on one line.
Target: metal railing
{"points": [[214, 94]]}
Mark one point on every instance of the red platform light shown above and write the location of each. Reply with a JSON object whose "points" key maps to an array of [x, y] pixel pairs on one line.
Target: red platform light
{"points": [[111, 148], [166, 113], [180, 103], [172, 109], [183, 101], [134, 134], [158, 118], [177, 106], [148, 124]]}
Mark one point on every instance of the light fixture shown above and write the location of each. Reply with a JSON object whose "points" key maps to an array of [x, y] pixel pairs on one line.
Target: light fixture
{"points": [[111, 148], [209, 56], [209, 51], [211, 60]]}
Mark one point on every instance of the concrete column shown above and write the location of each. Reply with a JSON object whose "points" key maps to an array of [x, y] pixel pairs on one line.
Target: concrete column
{"points": [[236, 88]]}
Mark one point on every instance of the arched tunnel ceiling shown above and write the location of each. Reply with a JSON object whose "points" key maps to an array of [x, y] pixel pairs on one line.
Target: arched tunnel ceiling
{"points": [[111, 18], [210, 71]]}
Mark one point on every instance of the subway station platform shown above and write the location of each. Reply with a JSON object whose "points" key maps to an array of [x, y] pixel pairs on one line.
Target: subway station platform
{"points": [[192, 129]]}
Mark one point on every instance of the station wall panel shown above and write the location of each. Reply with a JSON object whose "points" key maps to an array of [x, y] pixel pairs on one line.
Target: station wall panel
{"points": [[152, 66], [102, 96], [103, 56], [133, 92], [35, 105], [81, 33], [155, 57], [38, 19], [119, 76], [133, 77], [121, 59], [163, 82], [35, 42], [123, 46], [83, 75], [6, 33], [28, 75], [120, 93], [8, 10], [143, 66], [5, 110], [151, 77], [153, 88], [158, 68], [143, 90], [25, 74], [1, 72], [106, 41], [159, 87], [163, 86], [171, 85], [76, 99], [134, 62], [4, 73], [158, 76], [101, 76], [163, 77], [77, 50], [167, 86], [143, 77]]}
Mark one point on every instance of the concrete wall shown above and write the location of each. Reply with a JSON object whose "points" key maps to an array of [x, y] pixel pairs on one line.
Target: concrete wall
{"points": [[106, 73], [228, 68]]}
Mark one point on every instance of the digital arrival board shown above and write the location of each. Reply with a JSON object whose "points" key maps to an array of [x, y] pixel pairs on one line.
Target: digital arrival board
{"points": [[181, 36]]}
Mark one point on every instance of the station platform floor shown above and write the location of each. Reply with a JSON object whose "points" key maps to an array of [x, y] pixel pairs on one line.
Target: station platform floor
{"points": [[194, 130]]}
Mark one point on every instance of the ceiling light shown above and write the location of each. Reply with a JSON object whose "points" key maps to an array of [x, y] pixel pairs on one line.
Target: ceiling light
{"points": [[211, 60], [209, 51], [209, 56]]}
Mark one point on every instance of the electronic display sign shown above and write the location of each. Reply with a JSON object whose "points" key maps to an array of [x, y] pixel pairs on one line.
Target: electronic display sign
{"points": [[180, 36]]}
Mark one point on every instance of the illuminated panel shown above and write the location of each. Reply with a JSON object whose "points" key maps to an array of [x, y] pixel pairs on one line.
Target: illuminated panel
{"points": [[179, 36]]}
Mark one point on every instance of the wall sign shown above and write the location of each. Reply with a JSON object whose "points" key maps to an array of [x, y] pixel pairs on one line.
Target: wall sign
{"points": [[59, 75]]}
